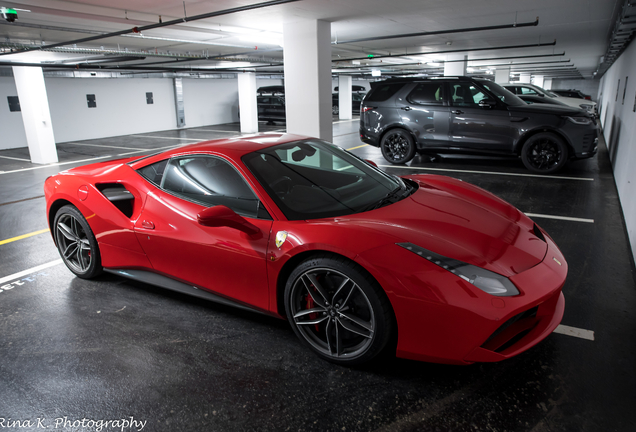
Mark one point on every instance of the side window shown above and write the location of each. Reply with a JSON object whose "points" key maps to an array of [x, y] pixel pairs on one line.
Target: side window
{"points": [[382, 92], [429, 93], [466, 95], [154, 173], [211, 181], [528, 91]]}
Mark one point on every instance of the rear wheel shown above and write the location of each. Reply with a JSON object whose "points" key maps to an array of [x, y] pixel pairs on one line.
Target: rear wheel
{"points": [[76, 243], [335, 109], [397, 146], [544, 153], [338, 310]]}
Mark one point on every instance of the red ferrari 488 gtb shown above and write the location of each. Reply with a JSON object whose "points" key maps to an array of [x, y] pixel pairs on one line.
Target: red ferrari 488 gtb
{"points": [[298, 228]]}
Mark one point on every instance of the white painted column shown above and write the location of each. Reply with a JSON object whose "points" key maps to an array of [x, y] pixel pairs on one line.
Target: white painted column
{"points": [[344, 97], [34, 103], [248, 109], [538, 80], [524, 78], [547, 84], [502, 75], [307, 56], [456, 68]]}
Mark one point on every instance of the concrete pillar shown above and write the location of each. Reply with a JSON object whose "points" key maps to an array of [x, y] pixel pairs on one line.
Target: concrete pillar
{"points": [[547, 84], [307, 56], [248, 109], [538, 80], [455, 68], [344, 97], [502, 75], [36, 116], [524, 78]]}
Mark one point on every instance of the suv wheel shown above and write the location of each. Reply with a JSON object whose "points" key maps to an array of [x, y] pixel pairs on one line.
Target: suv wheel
{"points": [[335, 109], [397, 146], [544, 153]]}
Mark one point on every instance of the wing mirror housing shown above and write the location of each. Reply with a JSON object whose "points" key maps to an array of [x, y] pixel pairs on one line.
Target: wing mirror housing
{"points": [[487, 103], [222, 216], [370, 162]]}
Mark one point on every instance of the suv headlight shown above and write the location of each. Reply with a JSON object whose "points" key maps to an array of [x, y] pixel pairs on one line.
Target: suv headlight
{"points": [[487, 281], [580, 120]]}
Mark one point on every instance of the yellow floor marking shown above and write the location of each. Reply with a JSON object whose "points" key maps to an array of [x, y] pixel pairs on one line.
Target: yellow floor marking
{"points": [[360, 146], [23, 236]]}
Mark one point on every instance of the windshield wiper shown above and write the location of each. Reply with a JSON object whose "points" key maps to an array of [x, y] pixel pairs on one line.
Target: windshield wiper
{"points": [[394, 196]]}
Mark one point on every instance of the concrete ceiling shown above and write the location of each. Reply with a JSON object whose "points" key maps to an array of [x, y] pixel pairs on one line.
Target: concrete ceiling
{"points": [[581, 29]]}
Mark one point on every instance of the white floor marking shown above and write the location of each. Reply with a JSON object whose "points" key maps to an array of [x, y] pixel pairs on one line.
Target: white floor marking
{"points": [[159, 137], [30, 271], [489, 172], [101, 145], [55, 164], [350, 133], [345, 121], [576, 332], [15, 158], [215, 130], [566, 218]]}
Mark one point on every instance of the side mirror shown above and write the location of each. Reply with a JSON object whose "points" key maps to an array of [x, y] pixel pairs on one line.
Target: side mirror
{"points": [[487, 103], [370, 162], [222, 216]]}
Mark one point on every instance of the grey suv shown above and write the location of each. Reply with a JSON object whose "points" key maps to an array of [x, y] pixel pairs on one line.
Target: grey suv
{"points": [[403, 116]]}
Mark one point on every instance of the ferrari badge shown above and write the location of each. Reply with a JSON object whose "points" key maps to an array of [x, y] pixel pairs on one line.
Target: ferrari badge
{"points": [[281, 236]]}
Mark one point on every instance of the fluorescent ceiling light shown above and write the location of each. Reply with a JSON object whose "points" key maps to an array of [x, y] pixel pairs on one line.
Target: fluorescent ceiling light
{"points": [[265, 37]]}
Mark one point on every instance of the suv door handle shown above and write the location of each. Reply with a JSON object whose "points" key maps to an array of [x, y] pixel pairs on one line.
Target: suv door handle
{"points": [[458, 112], [407, 108]]}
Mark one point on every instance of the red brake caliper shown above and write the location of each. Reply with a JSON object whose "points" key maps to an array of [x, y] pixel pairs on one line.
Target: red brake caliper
{"points": [[310, 305]]}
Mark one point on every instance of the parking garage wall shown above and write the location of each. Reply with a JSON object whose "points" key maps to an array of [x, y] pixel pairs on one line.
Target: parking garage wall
{"points": [[617, 99], [13, 135]]}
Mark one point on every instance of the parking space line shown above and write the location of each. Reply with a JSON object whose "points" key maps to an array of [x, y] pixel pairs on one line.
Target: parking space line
{"points": [[566, 218], [30, 271], [489, 172], [345, 121], [350, 133], [214, 130], [576, 332], [55, 164], [19, 201], [177, 138], [23, 236], [353, 148], [101, 145], [15, 158]]}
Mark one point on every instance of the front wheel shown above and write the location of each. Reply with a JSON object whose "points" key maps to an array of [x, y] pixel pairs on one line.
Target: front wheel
{"points": [[397, 146], [76, 243], [335, 109], [544, 153], [338, 310]]}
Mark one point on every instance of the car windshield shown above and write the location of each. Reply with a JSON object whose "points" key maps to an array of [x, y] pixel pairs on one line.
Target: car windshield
{"points": [[313, 179], [504, 95]]}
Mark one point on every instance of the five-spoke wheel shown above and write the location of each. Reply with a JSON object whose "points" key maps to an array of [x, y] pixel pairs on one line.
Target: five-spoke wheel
{"points": [[544, 153], [338, 310], [397, 146], [335, 109], [76, 243]]}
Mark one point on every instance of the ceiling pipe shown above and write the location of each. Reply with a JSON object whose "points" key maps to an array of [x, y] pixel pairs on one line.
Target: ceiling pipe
{"points": [[438, 32], [158, 25], [372, 57]]}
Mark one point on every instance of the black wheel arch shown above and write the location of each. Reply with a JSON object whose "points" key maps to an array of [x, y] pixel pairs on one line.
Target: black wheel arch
{"points": [[543, 129]]}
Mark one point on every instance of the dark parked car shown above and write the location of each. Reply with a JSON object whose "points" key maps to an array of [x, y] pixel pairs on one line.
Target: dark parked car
{"points": [[572, 93], [403, 116], [354, 88], [270, 103], [356, 100]]}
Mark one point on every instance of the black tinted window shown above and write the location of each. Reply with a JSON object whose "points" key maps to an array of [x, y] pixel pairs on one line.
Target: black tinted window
{"points": [[210, 181], [154, 173], [430, 93], [382, 92]]}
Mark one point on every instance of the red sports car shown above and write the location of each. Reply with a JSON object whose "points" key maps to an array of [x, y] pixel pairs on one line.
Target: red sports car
{"points": [[298, 228]]}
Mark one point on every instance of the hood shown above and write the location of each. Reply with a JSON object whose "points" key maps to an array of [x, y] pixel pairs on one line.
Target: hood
{"points": [[543, 108], [460, 221], [575, 101]]}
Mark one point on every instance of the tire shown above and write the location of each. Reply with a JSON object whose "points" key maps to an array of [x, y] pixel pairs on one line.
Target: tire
{"points": [[397, 146], [76, 243], [544, 153], [338, 310], [335, 109]]}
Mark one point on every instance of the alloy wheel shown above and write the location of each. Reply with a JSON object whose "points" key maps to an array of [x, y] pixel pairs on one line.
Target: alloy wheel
{"points": [[544, 154], [73, 243]]}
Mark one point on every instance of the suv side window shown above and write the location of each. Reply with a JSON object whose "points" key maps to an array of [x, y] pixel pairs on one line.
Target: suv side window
{"points": [[211, 181], [428, 93], [466, 94], [382, 92], [527, 91]]}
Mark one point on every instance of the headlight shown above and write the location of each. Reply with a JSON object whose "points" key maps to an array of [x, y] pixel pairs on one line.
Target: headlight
{"points": [[580, 120], [487, 281]]}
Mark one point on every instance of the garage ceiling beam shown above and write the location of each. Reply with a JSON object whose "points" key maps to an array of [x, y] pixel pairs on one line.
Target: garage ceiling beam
{"points": [[158, 25], [372, 56], [439, 32]]}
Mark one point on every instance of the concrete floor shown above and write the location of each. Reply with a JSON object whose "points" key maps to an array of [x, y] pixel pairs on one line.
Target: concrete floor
{"points": [[112, 349]]}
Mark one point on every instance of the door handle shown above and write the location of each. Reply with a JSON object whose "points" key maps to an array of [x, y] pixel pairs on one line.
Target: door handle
{"points": [[407, 108], [458, 112], [147, 224]]}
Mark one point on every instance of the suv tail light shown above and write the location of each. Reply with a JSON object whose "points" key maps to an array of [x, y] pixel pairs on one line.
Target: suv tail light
{"points": [[588, 97], [367, 108]]}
